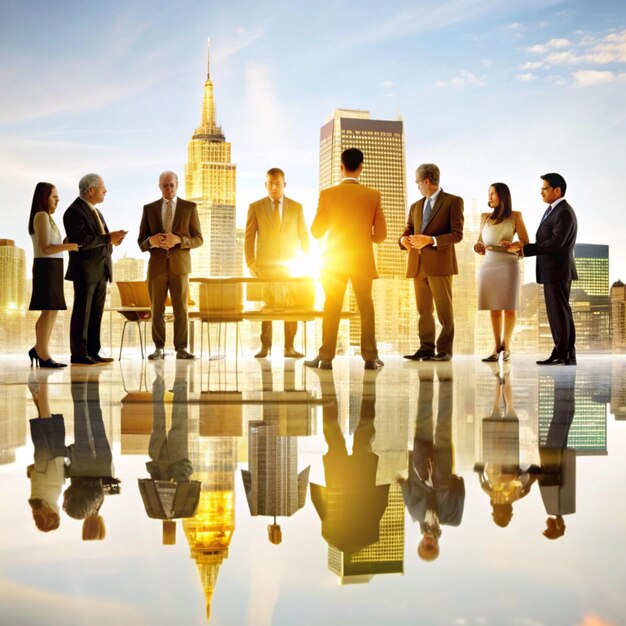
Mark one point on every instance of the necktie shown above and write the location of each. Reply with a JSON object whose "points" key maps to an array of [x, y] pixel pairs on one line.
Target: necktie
{"points": [[100, 224], [426, 215], [169, 216], [548, 210], [277, 213]]}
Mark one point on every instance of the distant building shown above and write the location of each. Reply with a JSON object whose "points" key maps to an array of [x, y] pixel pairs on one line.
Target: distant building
{"points": [[210, 182], [14, 296], [618, 317]]}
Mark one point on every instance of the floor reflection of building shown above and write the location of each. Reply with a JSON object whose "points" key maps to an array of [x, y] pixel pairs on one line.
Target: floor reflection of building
{"points": [[210, 531], [588, 430], [618, 390]]}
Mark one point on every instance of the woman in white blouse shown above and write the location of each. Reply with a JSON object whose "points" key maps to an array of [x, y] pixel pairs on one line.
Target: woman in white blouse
{"points": [[48, 248]]}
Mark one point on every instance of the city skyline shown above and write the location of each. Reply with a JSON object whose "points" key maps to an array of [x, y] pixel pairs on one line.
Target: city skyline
{"points": [[496, 89]]}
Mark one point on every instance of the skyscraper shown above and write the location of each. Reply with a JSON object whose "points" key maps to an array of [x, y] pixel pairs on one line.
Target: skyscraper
{"points": [[590, 297], [13, 295], [382, 143], [210, 182], [618, 317]]}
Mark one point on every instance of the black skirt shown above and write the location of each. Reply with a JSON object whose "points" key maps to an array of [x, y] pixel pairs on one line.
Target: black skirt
{"points": [[47, 285]]}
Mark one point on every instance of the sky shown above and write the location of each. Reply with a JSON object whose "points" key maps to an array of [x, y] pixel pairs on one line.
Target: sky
{"points": [[490, 90]]}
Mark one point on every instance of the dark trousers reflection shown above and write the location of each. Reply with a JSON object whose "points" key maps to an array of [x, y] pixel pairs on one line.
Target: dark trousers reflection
{"points": [[91, 471], [558, 462], [433, 494]]}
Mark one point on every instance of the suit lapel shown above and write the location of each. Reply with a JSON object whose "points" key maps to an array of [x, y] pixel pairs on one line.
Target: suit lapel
{"points": [[417, 218], [438, 205], [91, 217], [178, 215]]}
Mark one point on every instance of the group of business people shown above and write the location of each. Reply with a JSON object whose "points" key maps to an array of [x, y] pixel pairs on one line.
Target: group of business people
{"points": [[169, 228], [351, 219]]}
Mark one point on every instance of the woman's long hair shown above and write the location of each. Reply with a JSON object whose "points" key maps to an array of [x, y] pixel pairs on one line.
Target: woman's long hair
{"points": [[41, 199], [505, 205]]}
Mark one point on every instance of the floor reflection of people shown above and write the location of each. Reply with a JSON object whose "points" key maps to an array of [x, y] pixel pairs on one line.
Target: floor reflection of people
{"points": [[351, 504], [91, 471], [169, 493], [433, 494], [557, 483], [500, 474], [47, 473]]}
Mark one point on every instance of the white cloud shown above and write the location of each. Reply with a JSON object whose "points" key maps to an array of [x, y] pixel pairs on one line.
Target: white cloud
{"points": [[464, 78], [527, 77], [590, 78], [388, 84], [515, 26], [228, 45], [530, 65]]}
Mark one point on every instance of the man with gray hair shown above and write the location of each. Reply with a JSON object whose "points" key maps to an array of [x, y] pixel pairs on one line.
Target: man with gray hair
{"points": [[170, 228], [89, 268], [434, 226]]}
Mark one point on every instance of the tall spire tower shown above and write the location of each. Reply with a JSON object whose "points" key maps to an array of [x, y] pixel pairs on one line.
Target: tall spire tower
{"points": [[210, 182]]}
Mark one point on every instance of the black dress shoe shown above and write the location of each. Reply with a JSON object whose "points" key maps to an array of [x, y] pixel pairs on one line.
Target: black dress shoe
{"points": [[552, 360], [442, 356], [420, 355], [101, 359], [571, 360], [82, 360], [373, 365], [262, 353], [183, 354]]}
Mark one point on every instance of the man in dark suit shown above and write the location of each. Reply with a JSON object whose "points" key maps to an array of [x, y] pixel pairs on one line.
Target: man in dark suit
{"points": [[434, 225], [352, 216], [556, 268], [89, 268], [170, 227]]}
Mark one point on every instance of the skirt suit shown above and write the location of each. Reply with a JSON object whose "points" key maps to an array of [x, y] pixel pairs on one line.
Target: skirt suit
{"points": [[47, 292]]}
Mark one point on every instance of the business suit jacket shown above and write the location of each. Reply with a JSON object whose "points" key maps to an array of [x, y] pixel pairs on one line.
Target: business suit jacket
{"points": [[186, 225], [446, 224], [352, 216], [92, 262], [274, 245], [554, 247]]}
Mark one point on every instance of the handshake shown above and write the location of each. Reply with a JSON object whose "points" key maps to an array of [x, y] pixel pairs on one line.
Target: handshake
{"points": [[166, 241]]}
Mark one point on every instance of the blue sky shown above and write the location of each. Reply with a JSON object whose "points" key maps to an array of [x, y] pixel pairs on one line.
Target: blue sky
{"points": [[490, 90]]}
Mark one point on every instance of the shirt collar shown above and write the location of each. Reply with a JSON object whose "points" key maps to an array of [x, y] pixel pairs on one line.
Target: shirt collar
{"points": [[280, 202], [556, 202], [350, 179], [433, 198], [164, 202]]}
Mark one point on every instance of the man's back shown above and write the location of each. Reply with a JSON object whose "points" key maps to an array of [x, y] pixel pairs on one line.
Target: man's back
{"points": [[353, 217]]}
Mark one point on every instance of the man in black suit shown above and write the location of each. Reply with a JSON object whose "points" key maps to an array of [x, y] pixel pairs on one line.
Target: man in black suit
{"points": [[556, 267], [89, 268]]}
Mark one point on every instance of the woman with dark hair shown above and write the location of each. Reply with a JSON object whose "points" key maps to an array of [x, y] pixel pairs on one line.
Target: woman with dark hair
{"points": [[498, 280], [48, 248]]}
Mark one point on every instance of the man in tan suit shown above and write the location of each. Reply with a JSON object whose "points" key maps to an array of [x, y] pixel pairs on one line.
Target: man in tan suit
{"points": [[353, 218], [170, 227], [434, 225], [275, 233]]}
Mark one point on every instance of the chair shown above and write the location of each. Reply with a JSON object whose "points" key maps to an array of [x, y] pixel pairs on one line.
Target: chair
{"points": [[221, 302], [135, 307]]}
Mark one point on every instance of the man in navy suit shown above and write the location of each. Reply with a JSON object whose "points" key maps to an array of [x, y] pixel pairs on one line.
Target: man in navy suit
{"points": [[556, 267], [89, 268]]}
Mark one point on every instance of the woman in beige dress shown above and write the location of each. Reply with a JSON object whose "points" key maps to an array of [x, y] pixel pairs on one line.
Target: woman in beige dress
{"points": [[498, 280]]}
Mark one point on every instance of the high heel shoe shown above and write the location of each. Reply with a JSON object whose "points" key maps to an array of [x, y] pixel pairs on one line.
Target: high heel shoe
{"points": [[32, 353], [50, 363]]}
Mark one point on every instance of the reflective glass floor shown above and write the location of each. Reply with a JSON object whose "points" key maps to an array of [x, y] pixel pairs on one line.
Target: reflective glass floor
{"points": [[260, 492]]}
